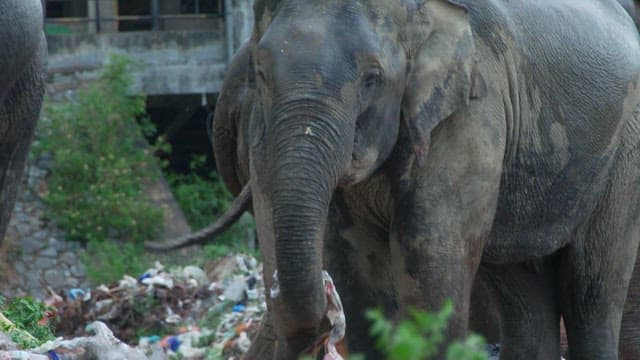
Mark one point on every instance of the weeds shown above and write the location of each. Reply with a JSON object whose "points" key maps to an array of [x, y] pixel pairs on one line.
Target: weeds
{"points": [[27, 322], [420, 336]]}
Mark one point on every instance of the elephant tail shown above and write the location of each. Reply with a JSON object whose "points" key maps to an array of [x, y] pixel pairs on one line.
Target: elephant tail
{"points": [[238, 207]]}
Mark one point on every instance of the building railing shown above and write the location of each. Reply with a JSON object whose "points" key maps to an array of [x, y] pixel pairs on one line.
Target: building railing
{"points": [[95, 20]]}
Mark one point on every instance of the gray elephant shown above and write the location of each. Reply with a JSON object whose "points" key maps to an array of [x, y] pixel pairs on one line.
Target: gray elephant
{"points": [[398, 145], [633, 8], [22, 69]]}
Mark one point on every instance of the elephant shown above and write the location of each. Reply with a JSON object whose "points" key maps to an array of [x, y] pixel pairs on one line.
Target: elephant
{"points": [[232, 114], [22, 66], [407, 146]]}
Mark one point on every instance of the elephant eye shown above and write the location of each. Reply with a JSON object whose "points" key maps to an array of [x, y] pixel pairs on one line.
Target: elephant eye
{"points": [[372, 78]]}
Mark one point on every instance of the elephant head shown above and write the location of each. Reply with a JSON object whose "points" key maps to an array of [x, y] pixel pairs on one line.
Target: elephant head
{"points": [[336, 85]]}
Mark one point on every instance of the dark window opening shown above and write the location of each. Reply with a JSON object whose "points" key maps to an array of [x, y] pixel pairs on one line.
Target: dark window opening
{"points": [[135, 8], [182, 120], [66, 8], [200, 6]]}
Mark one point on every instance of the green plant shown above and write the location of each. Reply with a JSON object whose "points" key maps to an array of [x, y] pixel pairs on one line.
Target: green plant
{"points": [[101, 161], [107, 261], [27, 322], [203, 199], [420, 336]]}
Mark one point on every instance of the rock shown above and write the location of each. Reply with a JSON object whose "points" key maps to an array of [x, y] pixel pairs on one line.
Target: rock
{"points": [[71, 282], [40, 236], [49, 252], [54, 278], [19, 215], [68, 258], [77, 270], [23, 230], [30, 245], [57, 244], [32, 280], [45, 263], [19, 267]]}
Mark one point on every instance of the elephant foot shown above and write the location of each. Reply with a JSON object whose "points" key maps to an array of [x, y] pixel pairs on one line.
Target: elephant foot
{"points": [[263, 346]]}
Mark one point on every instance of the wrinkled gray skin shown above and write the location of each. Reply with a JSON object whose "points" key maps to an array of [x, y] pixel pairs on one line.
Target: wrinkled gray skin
{"points": [[400, 144], [22, 66], [633, 8]]}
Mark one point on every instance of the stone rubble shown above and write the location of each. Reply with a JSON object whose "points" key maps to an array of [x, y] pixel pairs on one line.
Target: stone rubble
{"points": [[35, 253]]}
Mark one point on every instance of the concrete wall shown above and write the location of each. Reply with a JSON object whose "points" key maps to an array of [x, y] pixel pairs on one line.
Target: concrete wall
{"points": [[173, 62], [242, 17]]}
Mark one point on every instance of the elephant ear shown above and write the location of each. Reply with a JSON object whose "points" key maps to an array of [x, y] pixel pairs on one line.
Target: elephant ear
{"points": [[440, 77], [233, 101]]}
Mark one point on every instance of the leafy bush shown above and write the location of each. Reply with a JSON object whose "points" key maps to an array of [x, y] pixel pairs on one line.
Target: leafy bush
{"points": [[101, 160], [420, 336], [29, 325], [108, 261], [203, 199]]}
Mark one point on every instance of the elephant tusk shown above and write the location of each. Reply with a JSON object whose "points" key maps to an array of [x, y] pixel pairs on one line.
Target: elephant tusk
{"points": [[238, 207]]}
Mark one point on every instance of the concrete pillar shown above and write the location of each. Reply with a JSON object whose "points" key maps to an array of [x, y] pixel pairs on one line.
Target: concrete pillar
{"points": [[108, 11], [243, 22]]}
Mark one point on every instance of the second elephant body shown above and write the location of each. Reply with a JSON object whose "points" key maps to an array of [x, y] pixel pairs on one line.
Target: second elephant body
{"points": [[501, 132]]}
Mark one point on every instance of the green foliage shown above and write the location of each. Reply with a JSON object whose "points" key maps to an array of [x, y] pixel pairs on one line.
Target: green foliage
{"points": [[420, 336], [106, 261], [101, 161], [203, 199], [25, 314]]}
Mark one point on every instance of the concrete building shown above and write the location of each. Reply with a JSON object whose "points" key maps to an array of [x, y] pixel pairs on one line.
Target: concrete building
{"points": [[182, 45], [182, 48]]}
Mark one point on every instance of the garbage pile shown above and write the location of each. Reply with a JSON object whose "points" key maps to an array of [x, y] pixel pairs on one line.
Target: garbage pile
{"points": [[186, 313]]}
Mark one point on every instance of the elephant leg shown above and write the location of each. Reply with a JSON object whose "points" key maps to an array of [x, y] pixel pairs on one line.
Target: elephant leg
{"points": [[357, 258], [484, 318], [442, 222], [263, 346], [529, 312], [19, 113], [597, 266], [630, 330]]}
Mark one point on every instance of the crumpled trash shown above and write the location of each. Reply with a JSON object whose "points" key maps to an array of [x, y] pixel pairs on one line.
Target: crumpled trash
{"points": [[236, 288], [335, 314], [181, 299], [170, 342], [80, 293], [6, 343], [161, 279], [21, 355], [103, 345], [195, 273]]}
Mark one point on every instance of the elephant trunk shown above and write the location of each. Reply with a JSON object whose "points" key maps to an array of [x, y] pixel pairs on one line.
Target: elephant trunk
{"points": [[305, 158]]}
